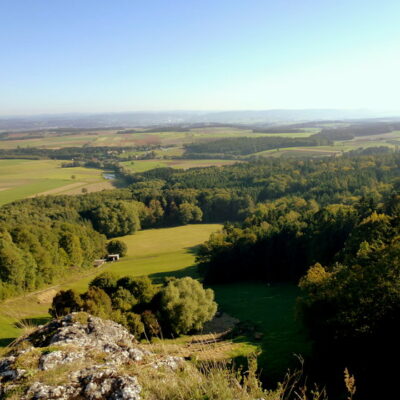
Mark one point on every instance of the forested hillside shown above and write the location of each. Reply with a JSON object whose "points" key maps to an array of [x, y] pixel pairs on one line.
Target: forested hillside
{"points": [[338, 215]]}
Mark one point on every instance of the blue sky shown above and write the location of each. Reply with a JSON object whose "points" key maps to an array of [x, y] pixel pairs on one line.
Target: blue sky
{"points": [[125, 55]]}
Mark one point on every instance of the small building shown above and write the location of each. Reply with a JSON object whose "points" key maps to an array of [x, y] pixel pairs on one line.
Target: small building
{"points": [[99, 263], [113, 257]]}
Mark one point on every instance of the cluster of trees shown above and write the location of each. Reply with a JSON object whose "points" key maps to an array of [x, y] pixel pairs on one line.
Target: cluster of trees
{"points": [[225, 193], [178, 307], [352, 307], [44, 239], [248, 145], [277, 241], [350, 300], [37, 251], [268, 179]]}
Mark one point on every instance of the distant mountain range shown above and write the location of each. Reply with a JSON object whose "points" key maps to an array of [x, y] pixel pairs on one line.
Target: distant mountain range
{"points": [[142, 119]]}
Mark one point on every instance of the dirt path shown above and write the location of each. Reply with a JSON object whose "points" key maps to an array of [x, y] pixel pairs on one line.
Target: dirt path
{"points": [[45, 296], [60, 189]]}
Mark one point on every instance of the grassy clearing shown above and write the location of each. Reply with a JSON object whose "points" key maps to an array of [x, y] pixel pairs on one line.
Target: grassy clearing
{"points": [[154, 252], [145, 165], [271, 309], [169, 252], [26, 178], [317, 151]]}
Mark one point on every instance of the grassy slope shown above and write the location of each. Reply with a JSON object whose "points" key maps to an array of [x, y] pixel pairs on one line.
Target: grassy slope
{"points": [[169, 251], [154, 252], [24, 178]]}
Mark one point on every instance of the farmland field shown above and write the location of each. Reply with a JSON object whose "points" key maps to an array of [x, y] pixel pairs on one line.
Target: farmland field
{"points": [[390, 140], [26, 178], [145, 165], [112, 138]]}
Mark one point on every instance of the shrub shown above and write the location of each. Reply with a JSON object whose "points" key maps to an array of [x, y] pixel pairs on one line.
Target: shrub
{"points": [[117, 247], [65, 302], [106, 281], [141, 287], [134, 324], [185, 305], [151, 326], [123, 299], [97, 302]]}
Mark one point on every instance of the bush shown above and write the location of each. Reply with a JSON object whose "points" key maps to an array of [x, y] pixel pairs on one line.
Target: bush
{"points": [[151, 326], [97, 302], [141, 287], [106, 281], [65, 302], [130, 321], [185, 305], [123, 299], [117, 247]]}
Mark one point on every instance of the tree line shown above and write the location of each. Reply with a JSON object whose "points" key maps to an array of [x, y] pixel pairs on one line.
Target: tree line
{"points": [[248, 145], [178, 307]]}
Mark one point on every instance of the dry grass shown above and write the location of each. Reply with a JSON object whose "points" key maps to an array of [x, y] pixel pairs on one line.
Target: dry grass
{"points": [[209, 347]]}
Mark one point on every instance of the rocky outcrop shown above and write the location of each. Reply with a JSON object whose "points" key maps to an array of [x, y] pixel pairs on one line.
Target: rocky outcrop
{"points": [[78, 357]]}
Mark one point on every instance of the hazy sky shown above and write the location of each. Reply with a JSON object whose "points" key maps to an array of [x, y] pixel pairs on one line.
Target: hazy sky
{"points": [[125, 55]]}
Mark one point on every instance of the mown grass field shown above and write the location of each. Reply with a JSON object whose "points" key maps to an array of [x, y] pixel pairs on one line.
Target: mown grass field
{"points": [[26, 178]]}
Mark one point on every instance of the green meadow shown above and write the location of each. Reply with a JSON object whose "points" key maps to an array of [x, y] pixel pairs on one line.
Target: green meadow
{"points": [[170, 252], [27, 178], [154, 252], [271, 310]]}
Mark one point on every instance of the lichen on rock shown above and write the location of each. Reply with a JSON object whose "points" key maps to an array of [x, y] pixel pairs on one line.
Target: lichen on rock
{"points": [[78, 357]]}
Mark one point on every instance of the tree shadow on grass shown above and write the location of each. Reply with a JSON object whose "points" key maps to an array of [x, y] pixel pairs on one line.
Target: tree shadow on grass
{"points": [[191, 271], [4, 342], [193, 249]]}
